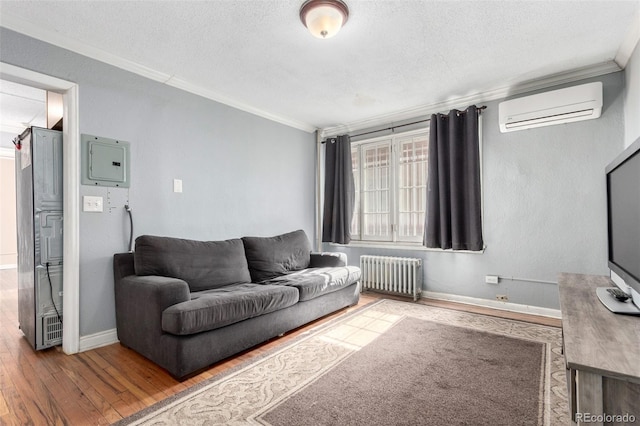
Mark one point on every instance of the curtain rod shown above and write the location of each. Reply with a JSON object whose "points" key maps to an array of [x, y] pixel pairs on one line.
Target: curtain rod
{"points": [[392, 128]]}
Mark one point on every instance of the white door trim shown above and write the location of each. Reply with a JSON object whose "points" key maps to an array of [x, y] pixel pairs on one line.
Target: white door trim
{"points": [[71, 197]]}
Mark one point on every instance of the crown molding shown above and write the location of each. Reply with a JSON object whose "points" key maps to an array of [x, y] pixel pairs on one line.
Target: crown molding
{"points": [[516, 88], [27, 28]]}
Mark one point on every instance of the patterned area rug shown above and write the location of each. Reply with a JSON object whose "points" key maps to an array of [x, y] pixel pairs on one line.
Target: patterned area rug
{"points": [[390, 362]]}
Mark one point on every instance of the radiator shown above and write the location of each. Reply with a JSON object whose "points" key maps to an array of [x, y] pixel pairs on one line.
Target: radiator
{"points": [[395, 275]]}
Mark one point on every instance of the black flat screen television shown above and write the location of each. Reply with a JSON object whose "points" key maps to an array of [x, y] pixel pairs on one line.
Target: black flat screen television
{"points": [[623, 213]]}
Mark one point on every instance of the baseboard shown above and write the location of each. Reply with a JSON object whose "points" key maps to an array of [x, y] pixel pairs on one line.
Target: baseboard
{"points": [[494, 304], [97, 340]]}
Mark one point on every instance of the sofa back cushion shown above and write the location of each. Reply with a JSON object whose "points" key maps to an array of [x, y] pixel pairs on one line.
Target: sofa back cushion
{"points": [[203, 265], [270, 257]]}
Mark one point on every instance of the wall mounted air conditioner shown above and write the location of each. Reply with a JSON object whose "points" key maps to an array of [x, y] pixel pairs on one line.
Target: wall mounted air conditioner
{"points": [[577, 103]]}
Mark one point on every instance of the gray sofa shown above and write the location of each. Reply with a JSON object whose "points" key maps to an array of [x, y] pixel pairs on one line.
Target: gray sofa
{"points": [[186, 304]]}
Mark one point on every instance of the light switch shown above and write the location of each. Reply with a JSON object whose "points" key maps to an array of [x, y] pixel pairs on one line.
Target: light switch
{"points": [[91, 204], [177, 185]]}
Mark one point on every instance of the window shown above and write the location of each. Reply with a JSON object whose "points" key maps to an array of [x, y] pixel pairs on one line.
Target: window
{"points": [[390, 176]]}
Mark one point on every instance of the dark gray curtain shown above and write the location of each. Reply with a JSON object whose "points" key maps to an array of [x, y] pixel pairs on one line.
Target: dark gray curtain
{"points": [[453, 219], [339, 191]]}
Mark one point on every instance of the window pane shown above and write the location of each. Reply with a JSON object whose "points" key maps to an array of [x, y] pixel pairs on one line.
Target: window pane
{"points": [[384, 177], [390, 186], [376, 193], [355, 220], [413, 184], [370, 202], [384, 202]]}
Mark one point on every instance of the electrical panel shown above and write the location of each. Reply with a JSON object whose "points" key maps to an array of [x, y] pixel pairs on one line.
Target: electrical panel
{"points": [[105, 162]]}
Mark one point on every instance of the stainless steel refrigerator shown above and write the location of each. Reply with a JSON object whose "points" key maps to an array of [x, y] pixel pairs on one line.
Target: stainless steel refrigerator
{"points": [[39, 222]]}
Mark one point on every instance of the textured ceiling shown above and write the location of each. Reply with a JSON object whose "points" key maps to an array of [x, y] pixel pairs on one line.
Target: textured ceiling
{"points": [[391, 56]]}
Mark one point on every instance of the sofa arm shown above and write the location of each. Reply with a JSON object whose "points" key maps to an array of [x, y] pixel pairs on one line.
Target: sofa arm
{"points": [[140, 301], [327, 259]]}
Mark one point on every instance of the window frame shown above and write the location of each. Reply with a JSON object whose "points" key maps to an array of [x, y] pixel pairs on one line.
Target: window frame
{"points": [[394, 141]]}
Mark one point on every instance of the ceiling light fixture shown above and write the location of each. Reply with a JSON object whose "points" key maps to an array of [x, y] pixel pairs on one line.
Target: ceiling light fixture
{"points": [[324, 18]]}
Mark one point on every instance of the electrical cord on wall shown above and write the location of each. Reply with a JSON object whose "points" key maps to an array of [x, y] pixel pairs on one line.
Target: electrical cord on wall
{"points": [[51, 293], [128, 209]]}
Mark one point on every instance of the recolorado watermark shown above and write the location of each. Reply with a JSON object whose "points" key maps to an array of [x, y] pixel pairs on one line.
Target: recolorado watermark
{"points": [[605, 418]]}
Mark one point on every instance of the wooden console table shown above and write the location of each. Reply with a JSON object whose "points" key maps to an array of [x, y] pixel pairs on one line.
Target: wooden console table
{"points": [[602, 354]]}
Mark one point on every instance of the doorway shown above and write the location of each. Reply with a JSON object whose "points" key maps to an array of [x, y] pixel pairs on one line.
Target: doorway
{"points": [[71, 182]]}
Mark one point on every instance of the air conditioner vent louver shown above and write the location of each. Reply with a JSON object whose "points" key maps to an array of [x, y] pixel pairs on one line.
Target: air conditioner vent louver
{"points": [[567, 105]]}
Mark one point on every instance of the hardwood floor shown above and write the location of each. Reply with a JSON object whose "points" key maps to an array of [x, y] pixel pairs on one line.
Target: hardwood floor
{"points": [[104, 385]]}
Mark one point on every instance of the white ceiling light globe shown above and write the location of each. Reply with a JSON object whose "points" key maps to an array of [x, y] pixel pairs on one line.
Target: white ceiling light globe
{"points": [[324, 21], [324, 18]]}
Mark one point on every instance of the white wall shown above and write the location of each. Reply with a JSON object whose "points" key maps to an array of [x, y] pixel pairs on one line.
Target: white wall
{"points": [[544, 208], [8, 238], [242, 174]]}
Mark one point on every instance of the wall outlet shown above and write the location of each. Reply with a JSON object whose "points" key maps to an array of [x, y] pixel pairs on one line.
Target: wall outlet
{"points": [[502, 297], [491, 279]]}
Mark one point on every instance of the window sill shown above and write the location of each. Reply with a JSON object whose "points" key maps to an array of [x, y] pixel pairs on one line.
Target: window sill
{"points": [[401, 246]]}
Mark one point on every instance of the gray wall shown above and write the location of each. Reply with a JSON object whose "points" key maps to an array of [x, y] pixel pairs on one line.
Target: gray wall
{"points": [[242, 174], [544, 208], [632, 98], [543, 188]]}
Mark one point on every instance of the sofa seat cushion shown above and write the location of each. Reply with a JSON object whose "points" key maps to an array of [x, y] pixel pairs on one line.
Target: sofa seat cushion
{"points": [[202, 264], [211, 309], [270, 257], [314, 282]]}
